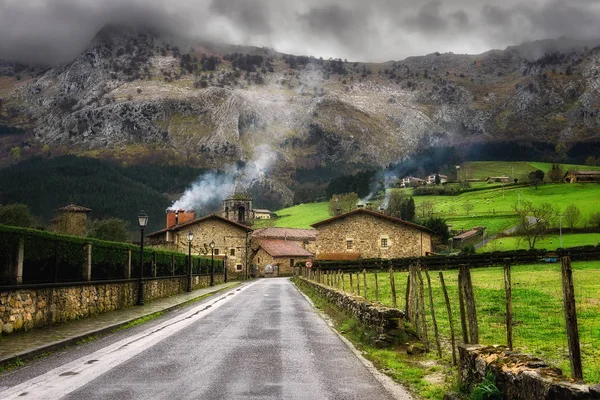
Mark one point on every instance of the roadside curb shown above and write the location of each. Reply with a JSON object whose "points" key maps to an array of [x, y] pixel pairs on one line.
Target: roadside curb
{"points": [[61, 344]]}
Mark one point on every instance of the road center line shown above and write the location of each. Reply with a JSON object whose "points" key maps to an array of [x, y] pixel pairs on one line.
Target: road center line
{"points": [[69, 377]]}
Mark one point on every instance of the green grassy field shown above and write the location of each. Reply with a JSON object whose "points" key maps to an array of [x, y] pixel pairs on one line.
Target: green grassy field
{"points": [[550, 243], [300, 216], [539, 322], [483, 169]]}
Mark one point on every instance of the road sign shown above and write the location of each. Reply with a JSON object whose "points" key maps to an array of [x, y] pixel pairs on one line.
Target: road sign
{"points": [[308, 264]]}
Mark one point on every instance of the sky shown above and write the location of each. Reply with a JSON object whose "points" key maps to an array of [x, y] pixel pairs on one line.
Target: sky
{"points": [[357, 30]]}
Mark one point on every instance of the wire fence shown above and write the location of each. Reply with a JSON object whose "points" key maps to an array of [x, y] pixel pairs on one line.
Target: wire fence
{"points": [[537, 298]]}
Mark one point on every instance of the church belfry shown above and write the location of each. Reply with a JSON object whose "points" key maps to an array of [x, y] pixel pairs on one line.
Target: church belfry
{"points": [[238, 208]]}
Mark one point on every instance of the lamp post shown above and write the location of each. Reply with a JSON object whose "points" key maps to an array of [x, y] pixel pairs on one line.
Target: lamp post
{"points": [[212, 263], [190, 237], [142, 221], [225, 265]]}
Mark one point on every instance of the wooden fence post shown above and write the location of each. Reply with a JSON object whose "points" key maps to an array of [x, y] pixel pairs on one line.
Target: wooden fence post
{"points": [[422, 309], [407, 296], [376, 287], [508, 293], [461, 307], [365, 282], [358, 283], [351, 284], [154, 265], [470, 304], [393, 288], [449, 310], [343, 284], [435, 327], [571, 319]]}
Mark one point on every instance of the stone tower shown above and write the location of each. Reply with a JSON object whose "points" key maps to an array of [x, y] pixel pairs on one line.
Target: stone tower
{"points": [[238, 207]]}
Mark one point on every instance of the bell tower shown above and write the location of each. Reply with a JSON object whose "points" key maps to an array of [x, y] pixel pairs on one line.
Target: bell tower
{"points": [[238, 207]]}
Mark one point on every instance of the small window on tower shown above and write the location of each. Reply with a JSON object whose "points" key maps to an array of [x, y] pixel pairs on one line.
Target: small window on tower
{"points": [[349, 244], [384, 243], [238, 267]]}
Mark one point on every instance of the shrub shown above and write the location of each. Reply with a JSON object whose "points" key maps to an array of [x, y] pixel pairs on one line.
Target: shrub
{"points": [[16, 215], [468, 249]]}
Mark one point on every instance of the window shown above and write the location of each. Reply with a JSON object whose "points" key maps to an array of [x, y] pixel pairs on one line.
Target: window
{"points": [[384, 243], [258, 260], [238, 267], [291, 262], [216, 252], [349, 244], [232, 252]]}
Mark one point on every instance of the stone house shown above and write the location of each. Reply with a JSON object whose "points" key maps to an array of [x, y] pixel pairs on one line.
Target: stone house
{"points": [[471, 236], [281, 248], [71, 220], [373, 235], [231, 240], [262, 214], [582, 177], [273, 257]]}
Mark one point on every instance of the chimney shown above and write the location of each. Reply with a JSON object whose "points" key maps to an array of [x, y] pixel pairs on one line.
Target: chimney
{"points": [[369, 206], [337, 211], [178, 217]]}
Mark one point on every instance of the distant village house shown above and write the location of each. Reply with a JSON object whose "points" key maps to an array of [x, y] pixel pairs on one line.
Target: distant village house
{"points": [[497, 179], [275, 251], [262, 214], [582, 177], [410, 181], [431, 179]]}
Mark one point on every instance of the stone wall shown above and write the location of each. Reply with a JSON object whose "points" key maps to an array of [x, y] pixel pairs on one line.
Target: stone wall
{"points": [[25, 309], [366, 232], [519, 376], [387, 322]]}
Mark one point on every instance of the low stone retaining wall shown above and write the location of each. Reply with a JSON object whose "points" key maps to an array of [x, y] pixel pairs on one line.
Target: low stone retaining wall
{"points": [[519, 376], [28, 308], [387, 322]]}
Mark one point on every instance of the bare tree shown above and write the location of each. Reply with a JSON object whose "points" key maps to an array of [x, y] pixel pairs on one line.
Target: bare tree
{"points": [[427, 208], [572, 215], [534, 221]]}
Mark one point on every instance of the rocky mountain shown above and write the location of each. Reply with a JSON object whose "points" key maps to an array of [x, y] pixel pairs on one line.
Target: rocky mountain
{"points": [[139, 92]]}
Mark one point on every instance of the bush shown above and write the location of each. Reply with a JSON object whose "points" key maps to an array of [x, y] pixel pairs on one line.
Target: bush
{"points": [[16, 215], [595, 219], [112, 229], [468, 249]]}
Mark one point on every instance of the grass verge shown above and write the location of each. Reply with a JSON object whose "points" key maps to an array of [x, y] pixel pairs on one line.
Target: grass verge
{"points": [[423, 375]]}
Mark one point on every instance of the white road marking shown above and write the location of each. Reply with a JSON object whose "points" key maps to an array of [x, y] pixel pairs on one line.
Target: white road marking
{"points": [[69, 377]]}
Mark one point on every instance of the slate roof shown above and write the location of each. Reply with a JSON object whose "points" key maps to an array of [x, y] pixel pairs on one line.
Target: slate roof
{"points": [[285, 233], [374, 214], [74, 208], [197, 221], [283, 248]]}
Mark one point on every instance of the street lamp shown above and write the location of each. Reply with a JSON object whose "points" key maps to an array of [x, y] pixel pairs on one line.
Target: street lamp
{"points": [[212, 263], [142, 221], [190, 237], [560, 217], [225, 265]]}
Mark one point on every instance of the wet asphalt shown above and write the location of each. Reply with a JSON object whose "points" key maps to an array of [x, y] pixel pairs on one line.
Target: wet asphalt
{"points": [[266, 342]]}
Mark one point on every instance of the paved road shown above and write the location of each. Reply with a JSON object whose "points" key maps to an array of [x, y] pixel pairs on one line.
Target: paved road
{"points": [[261, 341]]}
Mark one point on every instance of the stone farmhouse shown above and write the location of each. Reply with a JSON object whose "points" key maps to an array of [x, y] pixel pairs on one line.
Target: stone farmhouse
{"points": [[262, 214], [231, 239], [275, 251], [582, 177], [370, 234]]}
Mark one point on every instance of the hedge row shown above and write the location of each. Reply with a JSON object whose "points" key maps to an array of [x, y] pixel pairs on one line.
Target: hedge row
{"points": [[51, 257]]}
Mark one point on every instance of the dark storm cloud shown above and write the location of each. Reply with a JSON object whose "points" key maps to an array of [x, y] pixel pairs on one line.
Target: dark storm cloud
{"points": [[250, 15], [55, 30]]}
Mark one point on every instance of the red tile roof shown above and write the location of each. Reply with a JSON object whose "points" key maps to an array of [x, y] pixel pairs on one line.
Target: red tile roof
{"points": [[197, 221], [374, 214], [338, 256], [283, 248], [467, 234], [285, 233]]}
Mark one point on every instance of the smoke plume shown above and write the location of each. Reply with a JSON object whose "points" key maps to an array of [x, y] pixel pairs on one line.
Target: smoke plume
{"points": [[210, 189]]}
